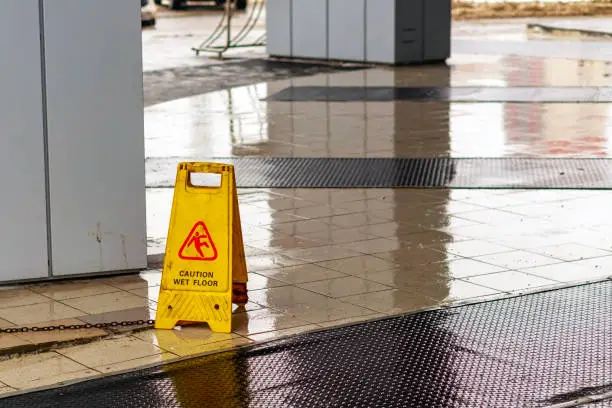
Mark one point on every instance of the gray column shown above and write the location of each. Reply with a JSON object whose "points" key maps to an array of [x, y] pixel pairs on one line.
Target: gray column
{"points": [[23, 220], [71, 121]]}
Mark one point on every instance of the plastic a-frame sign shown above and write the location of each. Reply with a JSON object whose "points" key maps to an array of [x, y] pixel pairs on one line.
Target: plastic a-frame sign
{"points": [[203, 251]]}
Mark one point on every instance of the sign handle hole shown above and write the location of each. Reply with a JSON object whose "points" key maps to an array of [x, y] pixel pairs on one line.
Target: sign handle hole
{"points": [[205, 180]]}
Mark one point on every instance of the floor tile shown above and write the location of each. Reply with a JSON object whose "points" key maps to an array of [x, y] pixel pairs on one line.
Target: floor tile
{"points": [[257, 281], [494, 217], [340, 236], [68, 290], [39, 312], [264, 262], [10, 340], [253, 234], [305, 305], [351, 320], [372, 246], [570, 252], [569, 272], [390, 301], [460, 268], [267, 219], [41, 337], [389, 229], [246, 308], [301, 274], [184, 340], [510, 281], [275, 245], [151, 293], [475, 247], [517, 259], [136, 363], [11, 297], [318, 211], [462, 290], [5, 324], [282, 204], [263, 320], [219, 346], [107, 302], [62, 378], [252, 251], [387, 277], [359, 264], [321, 254], [301, 227], [6, 390], [355, 220], [278, 334], [110, 351], [135, 281], [340, 287], [36, 370], [432, 238], [416, 257], [367, 205]]}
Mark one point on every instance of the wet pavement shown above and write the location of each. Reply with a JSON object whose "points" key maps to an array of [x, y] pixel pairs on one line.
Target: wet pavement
{"points": [[181, 82], [497, 354], [318, 258]]}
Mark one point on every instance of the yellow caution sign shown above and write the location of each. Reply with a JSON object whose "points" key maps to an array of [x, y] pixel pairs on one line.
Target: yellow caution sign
{"points": [[204, 251]]}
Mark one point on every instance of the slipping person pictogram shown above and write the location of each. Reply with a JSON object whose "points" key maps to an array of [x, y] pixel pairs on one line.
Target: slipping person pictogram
{"points": [[199, 245]]}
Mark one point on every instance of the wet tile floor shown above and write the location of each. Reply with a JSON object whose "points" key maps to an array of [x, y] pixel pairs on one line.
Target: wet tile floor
{"points": [[320, 258]]}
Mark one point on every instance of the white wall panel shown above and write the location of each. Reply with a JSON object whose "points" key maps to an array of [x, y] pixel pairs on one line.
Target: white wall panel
{"points": [[347, 29], [95, 135], [309, 29], [23, 231], [278, 23]]}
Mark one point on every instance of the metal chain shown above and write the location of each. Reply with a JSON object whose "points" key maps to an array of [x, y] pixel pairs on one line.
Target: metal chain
{"points": [[77, 326]]}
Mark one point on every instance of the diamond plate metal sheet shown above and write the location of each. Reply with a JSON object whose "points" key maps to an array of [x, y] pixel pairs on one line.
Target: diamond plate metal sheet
{"points": [[454, 94], [308, 172], [530, 351]]}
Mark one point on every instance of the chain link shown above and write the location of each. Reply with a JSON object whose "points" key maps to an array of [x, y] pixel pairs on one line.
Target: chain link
{"points": [[77, 326]]}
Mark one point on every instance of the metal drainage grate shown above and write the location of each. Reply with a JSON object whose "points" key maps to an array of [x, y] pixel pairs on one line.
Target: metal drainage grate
{"points": [[531, 351], [454, 94], [296, 172]]}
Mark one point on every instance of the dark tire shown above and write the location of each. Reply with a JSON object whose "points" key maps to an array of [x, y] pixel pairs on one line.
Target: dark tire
{"points": [[149, 23], [241, 4], [177, 4]]}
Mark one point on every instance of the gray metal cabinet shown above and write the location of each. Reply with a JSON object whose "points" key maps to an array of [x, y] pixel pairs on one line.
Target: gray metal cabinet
{"points": [[385, 31]]}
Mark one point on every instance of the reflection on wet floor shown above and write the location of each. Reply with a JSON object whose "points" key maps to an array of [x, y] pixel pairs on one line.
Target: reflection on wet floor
{"points": [[319, 258], [237, 122]]}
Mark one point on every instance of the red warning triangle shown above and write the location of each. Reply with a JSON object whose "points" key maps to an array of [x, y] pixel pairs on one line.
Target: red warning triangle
{"points": [[198, 245]]}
